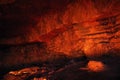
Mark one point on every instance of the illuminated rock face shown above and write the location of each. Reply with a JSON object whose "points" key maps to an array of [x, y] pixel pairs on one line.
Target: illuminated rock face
{"points": [[88, 26], [96, 66], [94, 31]]}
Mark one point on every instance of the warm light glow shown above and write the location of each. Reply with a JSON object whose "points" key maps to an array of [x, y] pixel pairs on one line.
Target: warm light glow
{"points": [[96, 66], [42, 78]]}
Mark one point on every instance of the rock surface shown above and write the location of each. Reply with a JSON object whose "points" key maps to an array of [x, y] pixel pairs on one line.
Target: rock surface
{"points": [[89, 26]]}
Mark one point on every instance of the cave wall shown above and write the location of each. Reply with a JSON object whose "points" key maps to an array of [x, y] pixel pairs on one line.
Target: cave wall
{"points": [[65, 26]]}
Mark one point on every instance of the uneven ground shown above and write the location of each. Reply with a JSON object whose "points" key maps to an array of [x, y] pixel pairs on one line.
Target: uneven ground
{"points": [[74, 69]]}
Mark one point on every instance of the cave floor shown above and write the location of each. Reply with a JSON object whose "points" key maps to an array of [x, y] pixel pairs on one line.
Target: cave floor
{"points": [[72, 70]]}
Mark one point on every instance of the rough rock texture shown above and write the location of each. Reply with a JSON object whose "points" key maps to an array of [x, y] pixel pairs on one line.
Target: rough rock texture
{"points": [[25, 55], [91, 27]]}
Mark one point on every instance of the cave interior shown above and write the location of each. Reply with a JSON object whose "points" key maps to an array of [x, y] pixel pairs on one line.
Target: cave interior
{"points": [[59, 39]]}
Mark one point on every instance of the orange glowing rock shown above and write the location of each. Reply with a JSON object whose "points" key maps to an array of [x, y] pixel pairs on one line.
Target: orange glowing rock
{"points": [[31, 71], [96, 66], [42, 78]]}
